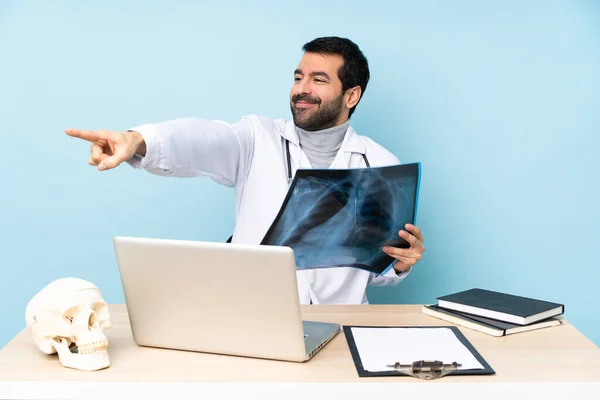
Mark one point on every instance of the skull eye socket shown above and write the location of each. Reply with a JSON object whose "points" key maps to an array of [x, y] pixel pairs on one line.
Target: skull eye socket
{"points": [[101, 315], [101, 310], [69, 316], [95, 315]]}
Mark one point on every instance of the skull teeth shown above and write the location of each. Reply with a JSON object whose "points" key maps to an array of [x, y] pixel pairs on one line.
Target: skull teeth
{"points": [[89, 348]]}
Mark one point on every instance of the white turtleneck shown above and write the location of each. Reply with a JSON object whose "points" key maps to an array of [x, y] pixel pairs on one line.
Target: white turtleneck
{"points": [[322, 146]]}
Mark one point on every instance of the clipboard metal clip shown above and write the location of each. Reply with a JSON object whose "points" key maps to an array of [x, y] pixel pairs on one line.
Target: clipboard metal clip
{"points": [[426, 369]]}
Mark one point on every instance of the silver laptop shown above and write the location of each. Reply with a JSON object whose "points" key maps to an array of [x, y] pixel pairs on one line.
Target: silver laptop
{"points": [[220, 298]]}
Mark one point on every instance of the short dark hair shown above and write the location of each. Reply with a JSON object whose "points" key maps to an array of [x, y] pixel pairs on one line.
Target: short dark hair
{"points": [[354, 71]]}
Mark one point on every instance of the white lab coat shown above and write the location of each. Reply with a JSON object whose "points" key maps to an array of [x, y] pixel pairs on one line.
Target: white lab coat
{"points": [[250, 156]]}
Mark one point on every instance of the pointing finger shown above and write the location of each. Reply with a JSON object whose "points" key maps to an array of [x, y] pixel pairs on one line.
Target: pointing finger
{"points": [[90, 136]]}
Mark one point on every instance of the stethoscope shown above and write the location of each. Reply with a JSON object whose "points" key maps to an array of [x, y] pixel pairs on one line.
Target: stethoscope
{"points": [[289, 162]]}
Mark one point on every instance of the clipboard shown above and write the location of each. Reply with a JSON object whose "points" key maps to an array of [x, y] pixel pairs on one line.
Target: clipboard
{"points": [[420, 368]]}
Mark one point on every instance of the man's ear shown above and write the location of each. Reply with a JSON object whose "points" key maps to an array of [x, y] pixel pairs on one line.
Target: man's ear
{"points": [[353, 96]]}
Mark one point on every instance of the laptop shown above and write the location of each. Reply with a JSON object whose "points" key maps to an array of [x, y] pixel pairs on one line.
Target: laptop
{"points": [[220, 298]]}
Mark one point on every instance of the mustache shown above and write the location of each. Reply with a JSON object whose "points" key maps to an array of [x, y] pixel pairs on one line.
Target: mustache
{"points": [[299, 97]]}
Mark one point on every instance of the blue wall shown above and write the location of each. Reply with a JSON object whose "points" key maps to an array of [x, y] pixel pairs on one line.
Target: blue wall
{"points": [[498, 100]]}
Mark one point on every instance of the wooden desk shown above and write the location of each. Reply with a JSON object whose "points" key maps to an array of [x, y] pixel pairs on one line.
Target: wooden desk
{"points": [[553, 361]]}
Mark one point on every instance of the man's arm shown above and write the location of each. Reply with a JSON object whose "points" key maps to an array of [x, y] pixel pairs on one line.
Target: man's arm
{"points": [[183, 147]]}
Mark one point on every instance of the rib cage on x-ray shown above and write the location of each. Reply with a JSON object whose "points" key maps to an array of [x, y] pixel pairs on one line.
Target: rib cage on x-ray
{"points": [[342, 218]]}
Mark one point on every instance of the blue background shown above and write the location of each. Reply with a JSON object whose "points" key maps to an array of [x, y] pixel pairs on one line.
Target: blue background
{"points": [[498, 100]]}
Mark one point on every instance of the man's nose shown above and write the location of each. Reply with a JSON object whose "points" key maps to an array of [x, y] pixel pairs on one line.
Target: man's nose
{"points": [[303, 87]]}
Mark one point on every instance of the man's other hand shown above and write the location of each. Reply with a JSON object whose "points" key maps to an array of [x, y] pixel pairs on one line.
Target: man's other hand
{"points": [[406, 258]]}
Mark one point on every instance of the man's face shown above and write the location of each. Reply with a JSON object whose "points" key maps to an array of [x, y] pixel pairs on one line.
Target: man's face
{"points": [[316, 98]]}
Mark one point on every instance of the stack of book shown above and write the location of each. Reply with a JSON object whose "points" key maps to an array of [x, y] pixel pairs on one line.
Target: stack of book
{"points": [[495, 313]]}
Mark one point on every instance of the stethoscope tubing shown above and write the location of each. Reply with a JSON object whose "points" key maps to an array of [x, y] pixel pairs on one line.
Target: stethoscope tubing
{"points": [[289, 162]]}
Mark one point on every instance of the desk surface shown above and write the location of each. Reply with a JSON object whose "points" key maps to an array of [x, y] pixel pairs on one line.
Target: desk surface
{"points": [[557, 354]]}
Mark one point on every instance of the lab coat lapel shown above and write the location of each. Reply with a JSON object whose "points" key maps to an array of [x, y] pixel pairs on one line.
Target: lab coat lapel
{"points": [[298, 159]]}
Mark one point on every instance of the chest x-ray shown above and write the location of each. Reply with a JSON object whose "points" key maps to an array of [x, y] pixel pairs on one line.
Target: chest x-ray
{"points": [[342, 218]]}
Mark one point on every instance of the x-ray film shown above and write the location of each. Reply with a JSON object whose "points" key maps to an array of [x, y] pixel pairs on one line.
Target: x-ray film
{"points": [[342, 218]]}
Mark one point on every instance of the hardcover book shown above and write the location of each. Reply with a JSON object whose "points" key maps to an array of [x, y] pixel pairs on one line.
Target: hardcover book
{"points": [[485, 325], [501, 306]]}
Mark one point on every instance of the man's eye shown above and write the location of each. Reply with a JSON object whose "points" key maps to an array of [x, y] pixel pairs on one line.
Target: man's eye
{"points": [[320, 80], [296, 79]]}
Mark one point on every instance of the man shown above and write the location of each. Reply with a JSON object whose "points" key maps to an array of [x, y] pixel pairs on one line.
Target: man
{"points": [[258, 157]]}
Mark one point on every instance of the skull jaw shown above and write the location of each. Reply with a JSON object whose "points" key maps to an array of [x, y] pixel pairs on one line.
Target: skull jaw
{"points": [[85, 362]]}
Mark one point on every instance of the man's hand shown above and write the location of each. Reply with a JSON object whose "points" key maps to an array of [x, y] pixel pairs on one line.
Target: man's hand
{"points": [[406, 258], [109, 149]]}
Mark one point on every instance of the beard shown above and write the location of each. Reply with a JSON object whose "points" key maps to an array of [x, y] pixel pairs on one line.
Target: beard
{"points": [[325, 116]]}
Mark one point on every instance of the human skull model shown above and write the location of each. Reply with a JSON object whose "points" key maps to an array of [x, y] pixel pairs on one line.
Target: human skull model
{"points": [[70, 313]]}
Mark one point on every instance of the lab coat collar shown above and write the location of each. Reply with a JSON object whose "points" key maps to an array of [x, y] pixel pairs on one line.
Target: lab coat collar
{"points": [[352, 142]]}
